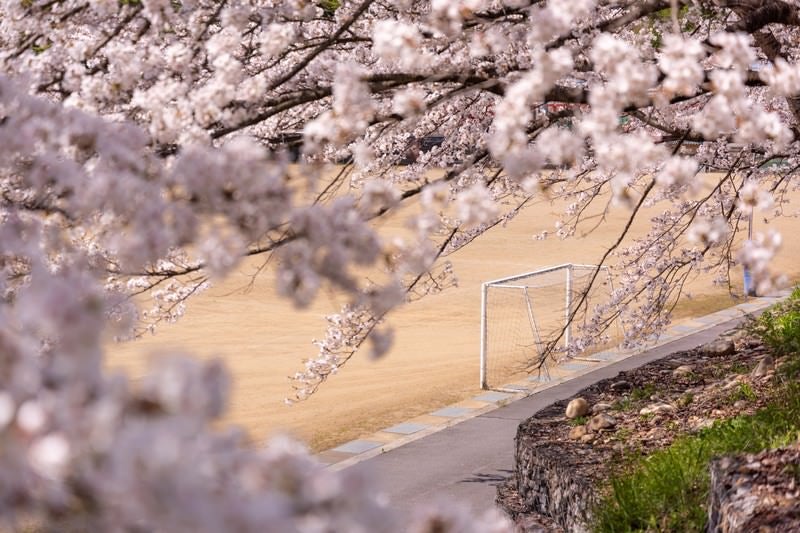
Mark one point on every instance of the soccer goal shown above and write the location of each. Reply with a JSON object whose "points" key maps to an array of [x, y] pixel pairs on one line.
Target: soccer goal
{"points": [[522, 314]]}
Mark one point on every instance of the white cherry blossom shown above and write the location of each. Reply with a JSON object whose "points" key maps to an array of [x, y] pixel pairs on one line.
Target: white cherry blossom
{"points": [[148, 146]]}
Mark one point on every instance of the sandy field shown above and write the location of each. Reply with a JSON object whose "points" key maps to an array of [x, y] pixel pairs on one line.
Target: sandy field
{"points": [[434, 361]]}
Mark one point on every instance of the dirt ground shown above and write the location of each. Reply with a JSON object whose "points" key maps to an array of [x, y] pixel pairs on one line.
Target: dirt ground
{"points": [[434, 361]]}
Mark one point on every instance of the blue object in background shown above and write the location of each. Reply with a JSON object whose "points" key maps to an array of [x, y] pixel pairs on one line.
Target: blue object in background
{"points": [[749, 290]]}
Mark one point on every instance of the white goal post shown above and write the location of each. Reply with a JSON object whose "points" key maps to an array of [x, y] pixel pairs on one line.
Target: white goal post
{"points": [[521, 313]]}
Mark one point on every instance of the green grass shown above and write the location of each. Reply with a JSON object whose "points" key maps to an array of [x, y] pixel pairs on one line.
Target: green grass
{"points": [[623, 404], [668, 490], [636, 396], [779, 326], [685, 400], [790, 369], [329, 6], [644, 393], [578, 421], [623, 434], [739, 368], [744, 391]]}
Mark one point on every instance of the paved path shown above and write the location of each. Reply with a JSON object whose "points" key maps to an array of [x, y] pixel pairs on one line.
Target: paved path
{"points": [[467, 460]]}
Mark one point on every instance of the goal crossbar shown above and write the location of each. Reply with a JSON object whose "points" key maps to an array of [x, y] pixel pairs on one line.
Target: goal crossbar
{"points": [[536, 272]]}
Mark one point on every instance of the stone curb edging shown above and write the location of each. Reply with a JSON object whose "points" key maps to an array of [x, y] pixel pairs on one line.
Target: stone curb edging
{"points": [[355, 451]]}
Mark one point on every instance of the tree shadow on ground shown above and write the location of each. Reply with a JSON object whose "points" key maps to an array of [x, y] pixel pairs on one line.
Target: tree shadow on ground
{"points": [[492, 479]]}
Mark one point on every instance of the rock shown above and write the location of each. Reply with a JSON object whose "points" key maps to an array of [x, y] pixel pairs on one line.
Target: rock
{"points": [[620, 386], [740, 335], [683, 370], [733, 382], [586, 439], [764, 366], [577, 432], [740, 404], [656, 434], [600, 407], [657, 409], [751, 343], [577, 407], [752, 465], [602, 421], [720, 348], [717, 413], [755, 492], [701, 423], [534, 524]]}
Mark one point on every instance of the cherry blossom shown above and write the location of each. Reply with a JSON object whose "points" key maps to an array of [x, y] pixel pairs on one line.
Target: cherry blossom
{"points": [[149, 146]]}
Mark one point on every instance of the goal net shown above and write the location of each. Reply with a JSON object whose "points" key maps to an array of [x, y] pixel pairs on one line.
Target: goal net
{"points": [[522, 315]]}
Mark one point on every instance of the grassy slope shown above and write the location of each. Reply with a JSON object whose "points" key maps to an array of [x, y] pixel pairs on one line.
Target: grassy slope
{"points": [[668, 490]]}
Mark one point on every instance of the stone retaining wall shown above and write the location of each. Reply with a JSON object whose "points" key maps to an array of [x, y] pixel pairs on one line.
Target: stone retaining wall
{"points": [[548, 482], [758, 492]]}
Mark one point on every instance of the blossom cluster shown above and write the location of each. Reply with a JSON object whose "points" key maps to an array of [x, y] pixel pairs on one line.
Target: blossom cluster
{"points": [[148, 146]]}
